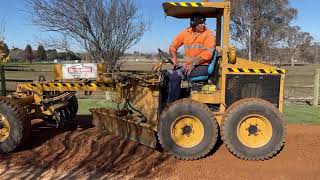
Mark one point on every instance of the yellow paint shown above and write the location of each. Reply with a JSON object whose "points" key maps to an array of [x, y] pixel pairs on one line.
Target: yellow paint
{"points": [[281, 95], [57, 72], [5, 131], [256, 70], [193, 4], [232, 54], [262, 131], [183, 4], [146, 99], [187, 131], [213, 98], [235, 70]]}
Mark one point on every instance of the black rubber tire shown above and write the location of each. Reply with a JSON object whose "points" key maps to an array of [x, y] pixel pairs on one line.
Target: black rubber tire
{"points": [[193, 108], [73, 107], [20, 125], [239, 110]]}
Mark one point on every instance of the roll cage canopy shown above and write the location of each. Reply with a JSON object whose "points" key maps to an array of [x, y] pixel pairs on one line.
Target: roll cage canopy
{"points": [[186, 9]]}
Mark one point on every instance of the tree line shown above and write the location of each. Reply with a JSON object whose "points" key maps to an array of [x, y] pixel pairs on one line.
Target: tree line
{"points": [[40, 54]]}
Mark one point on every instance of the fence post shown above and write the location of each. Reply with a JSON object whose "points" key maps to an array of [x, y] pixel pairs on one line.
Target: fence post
{"points": [[3, 81], [316, 88]]}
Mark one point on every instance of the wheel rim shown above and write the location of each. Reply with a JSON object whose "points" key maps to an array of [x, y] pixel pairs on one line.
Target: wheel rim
{"points": [[4, 128], [254, 131], [187, 131]]}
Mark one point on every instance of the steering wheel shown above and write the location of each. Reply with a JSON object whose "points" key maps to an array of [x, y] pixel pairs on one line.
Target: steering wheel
{"points": [[164, 57]]}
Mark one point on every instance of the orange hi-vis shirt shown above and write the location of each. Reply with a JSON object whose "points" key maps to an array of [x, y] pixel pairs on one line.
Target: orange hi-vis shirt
{"points": [[195, 45]]}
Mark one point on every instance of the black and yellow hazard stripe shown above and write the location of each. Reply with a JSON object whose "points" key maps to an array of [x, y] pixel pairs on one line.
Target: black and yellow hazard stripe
{"points": [[257, 71], [187, 4], [70, 86]]}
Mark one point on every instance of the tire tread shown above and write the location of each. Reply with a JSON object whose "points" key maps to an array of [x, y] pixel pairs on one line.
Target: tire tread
{"points": [[225, 125]]}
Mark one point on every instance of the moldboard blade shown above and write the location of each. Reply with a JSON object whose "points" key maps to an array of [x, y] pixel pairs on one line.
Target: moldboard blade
{"points": [[108, 120]]}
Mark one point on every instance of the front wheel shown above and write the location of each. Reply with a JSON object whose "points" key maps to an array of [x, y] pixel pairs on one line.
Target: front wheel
{"points": [[187, 129], [15, 127], [253, 129]]}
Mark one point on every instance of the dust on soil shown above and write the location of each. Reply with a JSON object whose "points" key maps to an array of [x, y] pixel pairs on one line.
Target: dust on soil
{"points": [[85, 152]]}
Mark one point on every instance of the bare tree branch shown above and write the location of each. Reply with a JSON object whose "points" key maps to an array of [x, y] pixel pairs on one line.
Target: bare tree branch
{"points": [[296, 41], [2, 29], [105, 28], [266, 19], [62, 43]]}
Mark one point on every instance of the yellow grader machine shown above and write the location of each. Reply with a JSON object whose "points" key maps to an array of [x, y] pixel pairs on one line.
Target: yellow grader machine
{"points": [[240, 102]]}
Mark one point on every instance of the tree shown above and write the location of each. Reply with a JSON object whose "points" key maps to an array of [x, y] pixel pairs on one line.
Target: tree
{"points": [[41, 53], [105, 28], [4, 52], [52, 54], [256, 24], [296, 41], [61, 43], [28, 54], [17, 55], [2, 30]]}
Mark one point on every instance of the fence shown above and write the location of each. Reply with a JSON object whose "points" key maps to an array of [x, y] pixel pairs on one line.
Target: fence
{"points": [[14, 74], [301, 84]]}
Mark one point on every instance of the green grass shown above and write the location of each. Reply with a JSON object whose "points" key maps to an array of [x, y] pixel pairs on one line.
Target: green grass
{"points": [[302, 114], [294, 114], [86, 104]]}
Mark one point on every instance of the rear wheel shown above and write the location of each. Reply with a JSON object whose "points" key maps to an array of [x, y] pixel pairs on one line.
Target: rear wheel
{"points": [[187, 129], [15, 127], [253, 129]]}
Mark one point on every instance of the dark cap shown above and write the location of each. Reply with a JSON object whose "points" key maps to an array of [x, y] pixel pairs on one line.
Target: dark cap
{"points": [[197, 19]]}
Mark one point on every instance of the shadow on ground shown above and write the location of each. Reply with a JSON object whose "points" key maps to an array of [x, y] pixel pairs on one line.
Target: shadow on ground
{"points": [[80, 151]]}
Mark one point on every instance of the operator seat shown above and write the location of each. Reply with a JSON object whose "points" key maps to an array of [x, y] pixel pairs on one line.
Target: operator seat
{"points": [[211, 68]]}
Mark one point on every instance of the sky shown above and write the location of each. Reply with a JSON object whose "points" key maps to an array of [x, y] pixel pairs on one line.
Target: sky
{"points": [[20, 31]]}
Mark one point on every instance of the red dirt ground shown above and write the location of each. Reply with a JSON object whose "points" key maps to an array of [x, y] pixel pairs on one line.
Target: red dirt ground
{"points": [[84, 152]]}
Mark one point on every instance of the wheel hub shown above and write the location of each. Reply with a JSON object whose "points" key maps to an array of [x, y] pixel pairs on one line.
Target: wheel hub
{"points": [[187, 131], [254, 131], [4, 128]]}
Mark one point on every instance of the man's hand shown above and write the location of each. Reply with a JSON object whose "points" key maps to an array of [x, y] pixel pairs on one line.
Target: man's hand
{"points": [[175, 64], [188, 67], [174, 59]]}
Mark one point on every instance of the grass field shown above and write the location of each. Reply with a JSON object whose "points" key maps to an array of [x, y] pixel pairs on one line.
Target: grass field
{"points": [[294, 114]]}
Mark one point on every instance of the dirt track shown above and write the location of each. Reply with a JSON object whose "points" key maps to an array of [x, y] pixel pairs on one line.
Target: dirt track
{"points": [[84, 152]]}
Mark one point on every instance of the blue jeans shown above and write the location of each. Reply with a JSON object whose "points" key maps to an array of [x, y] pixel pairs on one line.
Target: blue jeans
{"points": [[174, 81]]}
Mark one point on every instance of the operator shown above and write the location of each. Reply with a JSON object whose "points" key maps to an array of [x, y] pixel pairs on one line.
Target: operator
{"points": [[199, 45]]}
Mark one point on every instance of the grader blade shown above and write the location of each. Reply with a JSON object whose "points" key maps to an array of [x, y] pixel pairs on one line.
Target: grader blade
{"points": [[119, 123]]}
